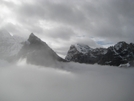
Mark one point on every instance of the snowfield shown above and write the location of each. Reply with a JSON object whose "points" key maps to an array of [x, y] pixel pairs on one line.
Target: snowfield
{"points": [[74, 82]]}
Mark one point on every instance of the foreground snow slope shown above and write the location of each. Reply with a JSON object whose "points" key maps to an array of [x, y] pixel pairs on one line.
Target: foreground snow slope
{"points": [[79, 83]]}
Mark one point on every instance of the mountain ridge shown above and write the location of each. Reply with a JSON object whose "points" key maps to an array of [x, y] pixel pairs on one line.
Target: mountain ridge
{"points": [[37, 52], [120, 53]]}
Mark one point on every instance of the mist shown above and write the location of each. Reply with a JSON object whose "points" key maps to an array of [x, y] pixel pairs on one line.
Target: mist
{"points": [[74, 82]]}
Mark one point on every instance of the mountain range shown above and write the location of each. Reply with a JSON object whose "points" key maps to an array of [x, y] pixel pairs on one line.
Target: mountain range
{"points": [[37, 52], [120, 53]]}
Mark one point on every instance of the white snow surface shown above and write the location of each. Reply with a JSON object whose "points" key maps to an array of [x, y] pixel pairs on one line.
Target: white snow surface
{"points": [[124, 65], [78, 48], [84, 49], [74, 82]]}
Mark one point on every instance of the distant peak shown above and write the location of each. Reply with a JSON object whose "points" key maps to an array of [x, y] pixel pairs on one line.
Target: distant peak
{"points": [[82, 48], [81, 45], [33, 38], [122, 42], [32, 34]]}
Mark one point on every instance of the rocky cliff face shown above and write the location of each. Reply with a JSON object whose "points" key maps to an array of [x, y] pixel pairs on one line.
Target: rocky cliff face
{"points": [[38, 52], [120, 53]]}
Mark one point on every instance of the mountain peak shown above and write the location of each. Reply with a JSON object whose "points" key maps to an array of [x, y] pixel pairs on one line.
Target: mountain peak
{"points": [[120, 45], [38, 52], [33, 38]]}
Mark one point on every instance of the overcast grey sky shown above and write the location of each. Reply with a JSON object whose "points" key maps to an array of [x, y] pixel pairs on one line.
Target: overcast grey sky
{"points": [[61, 23]]}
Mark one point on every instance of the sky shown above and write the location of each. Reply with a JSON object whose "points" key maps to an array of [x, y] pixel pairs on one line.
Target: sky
{"points": [[61, 23]]}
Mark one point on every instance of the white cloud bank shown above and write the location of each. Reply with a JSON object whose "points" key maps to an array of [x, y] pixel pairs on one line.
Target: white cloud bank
{"points": [[81, 83]]}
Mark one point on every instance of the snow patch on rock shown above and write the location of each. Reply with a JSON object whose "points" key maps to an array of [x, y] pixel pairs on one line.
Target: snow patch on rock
{"points": [[124, 65], [82, 48], [118, 46]]}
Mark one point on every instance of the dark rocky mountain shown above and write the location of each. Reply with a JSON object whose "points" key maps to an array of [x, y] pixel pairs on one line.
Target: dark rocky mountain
{"points": [[121, 53], [38, 52], [84, 54]]}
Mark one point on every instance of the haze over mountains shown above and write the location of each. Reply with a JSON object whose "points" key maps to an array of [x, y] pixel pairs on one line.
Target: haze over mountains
{"points": [[80, 50], [37, 52], [34, 50], [73, 82]]}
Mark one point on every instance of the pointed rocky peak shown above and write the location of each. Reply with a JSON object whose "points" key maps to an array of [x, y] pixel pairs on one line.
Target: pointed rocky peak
{"points": [[37, 52], [72, 46], [34, 39], [120, 45]]}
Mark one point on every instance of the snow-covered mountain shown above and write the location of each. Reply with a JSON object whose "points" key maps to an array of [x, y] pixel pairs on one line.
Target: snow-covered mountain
{"points": [[9, 45], [38, 52], [77, 49], [115, 55], [84, 54]]}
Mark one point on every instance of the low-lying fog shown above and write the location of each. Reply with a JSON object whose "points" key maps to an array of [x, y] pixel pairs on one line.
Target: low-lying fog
{"points": [[78, 82]]}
